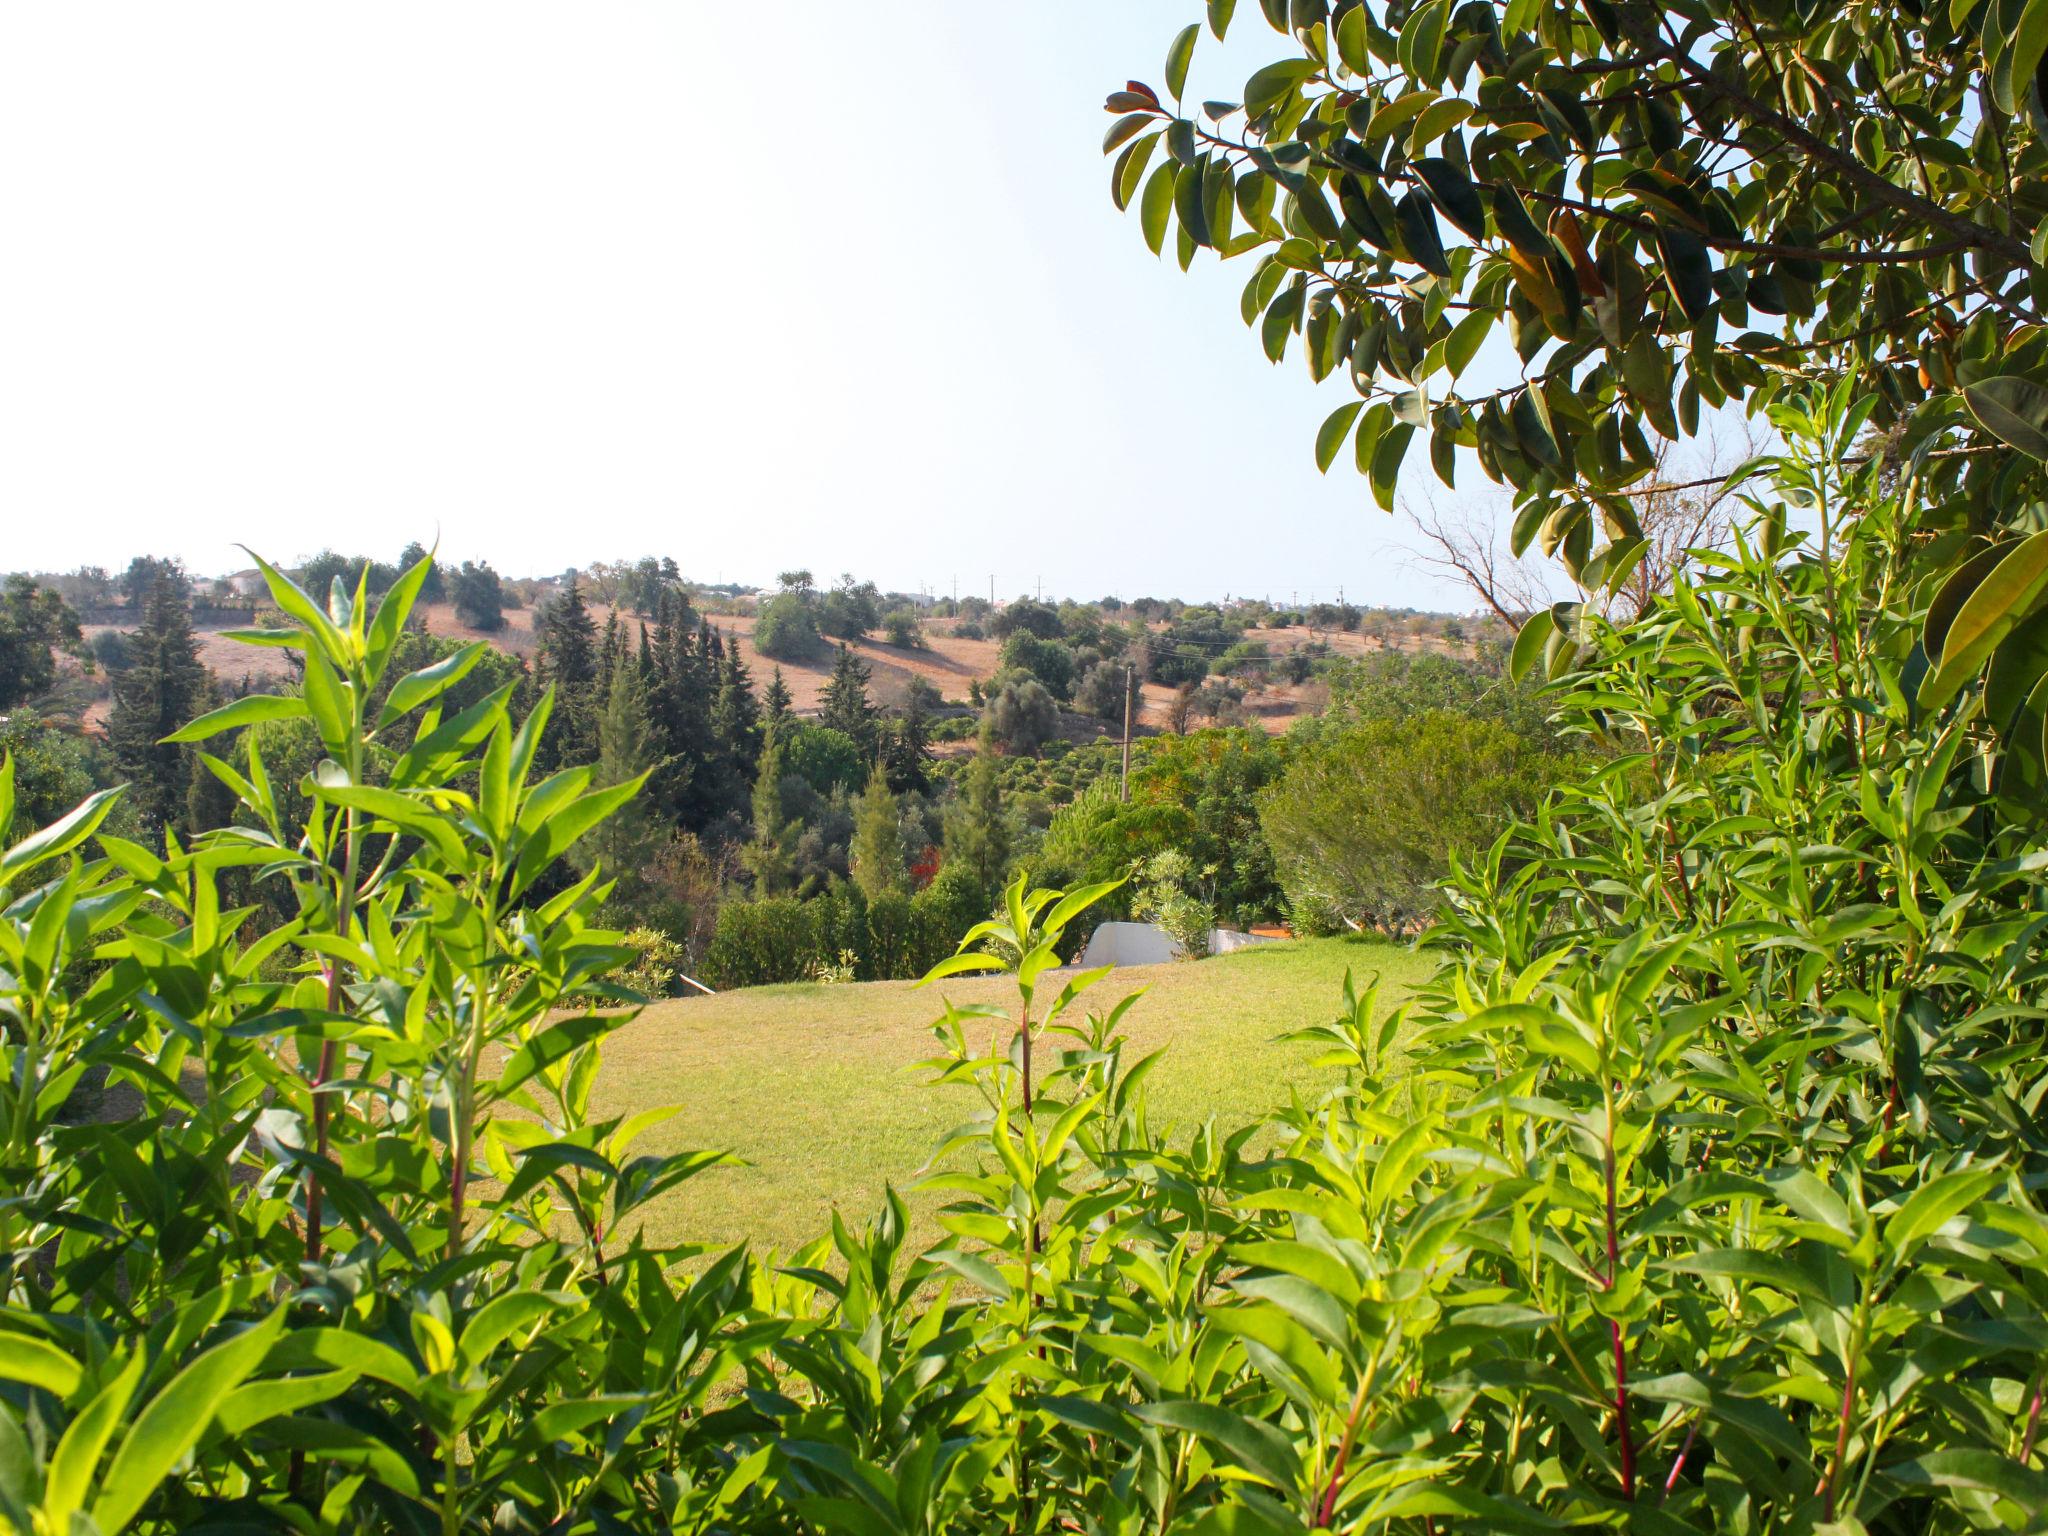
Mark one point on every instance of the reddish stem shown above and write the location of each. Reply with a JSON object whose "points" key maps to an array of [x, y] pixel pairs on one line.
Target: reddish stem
{"points": [[2033, 1424], [1685, 1450], [1621, 1424], [1827, 1486]]}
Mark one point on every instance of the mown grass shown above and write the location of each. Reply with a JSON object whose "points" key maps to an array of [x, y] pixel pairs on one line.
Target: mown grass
{"points": [[809, 1084]]}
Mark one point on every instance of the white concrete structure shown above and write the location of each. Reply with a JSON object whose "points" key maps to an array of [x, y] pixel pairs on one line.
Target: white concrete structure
{"points": [[1149, 944]]}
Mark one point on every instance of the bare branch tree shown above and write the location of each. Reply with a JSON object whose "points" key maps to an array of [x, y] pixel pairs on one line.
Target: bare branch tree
{"points": [[1688, 516]]}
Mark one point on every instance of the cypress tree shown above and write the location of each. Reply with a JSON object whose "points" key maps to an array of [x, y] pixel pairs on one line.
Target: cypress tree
{"points": [[977, 833], [877, 851], [769, 857], [164, 688], [625, 842]]}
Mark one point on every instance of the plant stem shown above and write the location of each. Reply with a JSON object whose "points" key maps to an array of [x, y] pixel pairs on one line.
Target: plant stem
{"points": [[1327, 1504], [345, 903], [1834, 1472], [1621, 1423], [2033, 1421]]}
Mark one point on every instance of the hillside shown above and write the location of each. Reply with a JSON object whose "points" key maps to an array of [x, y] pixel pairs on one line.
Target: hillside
{"points": [[948, 661]]}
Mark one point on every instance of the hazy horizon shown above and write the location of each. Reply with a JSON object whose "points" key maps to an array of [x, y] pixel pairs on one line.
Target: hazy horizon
{"points": [[567, 285]]}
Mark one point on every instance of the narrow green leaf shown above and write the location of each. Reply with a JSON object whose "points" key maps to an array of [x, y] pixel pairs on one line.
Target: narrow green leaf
{"points": [[252, 710]]}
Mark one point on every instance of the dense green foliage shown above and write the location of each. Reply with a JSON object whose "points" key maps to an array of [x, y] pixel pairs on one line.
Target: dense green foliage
{"points": [[1701, 1194], [1365, 821], [35, 625]]}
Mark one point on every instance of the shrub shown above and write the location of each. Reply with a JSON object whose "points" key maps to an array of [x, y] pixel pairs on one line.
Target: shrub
{"points": [[892, 938], [1050, 661], [1366, 820], [1025, 616], [479, 597], [1167, 896], [657, 962], [760, 943], [903, 628], [826, 759], [850, 610], [1023, 715], [786, 629]]}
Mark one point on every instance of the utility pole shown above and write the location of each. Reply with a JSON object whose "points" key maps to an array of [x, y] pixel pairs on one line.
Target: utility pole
{"points": [[1129, 685], [991, 589]]}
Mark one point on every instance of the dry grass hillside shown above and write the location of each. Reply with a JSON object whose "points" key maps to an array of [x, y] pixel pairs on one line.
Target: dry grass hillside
{"points": [[948, 661]]}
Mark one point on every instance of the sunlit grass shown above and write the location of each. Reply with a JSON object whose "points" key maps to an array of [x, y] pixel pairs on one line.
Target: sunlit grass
{"points": [[809, 1084]]}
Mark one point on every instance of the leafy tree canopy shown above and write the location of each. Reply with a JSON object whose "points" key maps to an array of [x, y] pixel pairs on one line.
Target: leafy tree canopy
{"points": [[35, 624]]}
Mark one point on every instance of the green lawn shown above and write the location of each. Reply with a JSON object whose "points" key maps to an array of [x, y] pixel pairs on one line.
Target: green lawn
{"points": [[809, 1083]]}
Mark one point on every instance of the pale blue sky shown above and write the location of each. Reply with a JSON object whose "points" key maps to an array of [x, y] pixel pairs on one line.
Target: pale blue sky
{"points": [[831, 285]]}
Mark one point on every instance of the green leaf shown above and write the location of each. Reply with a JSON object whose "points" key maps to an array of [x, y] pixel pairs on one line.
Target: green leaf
{"points": [[974, 1269], [1188, 201], [60, 836], [429, 682], [1386, 463], [1954, 591], [1530, 643], [1511, 218], [1753, 1266], [1258, 1447], [1354, 41], [174, 1420], [1177, 58], [2022, 56], [1156, 205], [2012, 409], [1336, 427], [1271, 85], [2012, 592], [1454, 194], [78, 1452], [392, 612], [955, 965], [39, 1363], [1687, 270], [252, 710], [1930, 1207], [1422, 42], [1466, 338], [1978, 1471], [1126, 128], [1417, 217]]}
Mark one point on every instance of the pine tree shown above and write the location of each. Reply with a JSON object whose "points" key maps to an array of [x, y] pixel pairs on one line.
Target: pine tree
{"points": [[877, 852], [680, 707], [163, 688], [769, 858], [625, 842], [569, 661], [978, 833], [736, 717], [776, 711], [844, 705], [906, 747]]}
